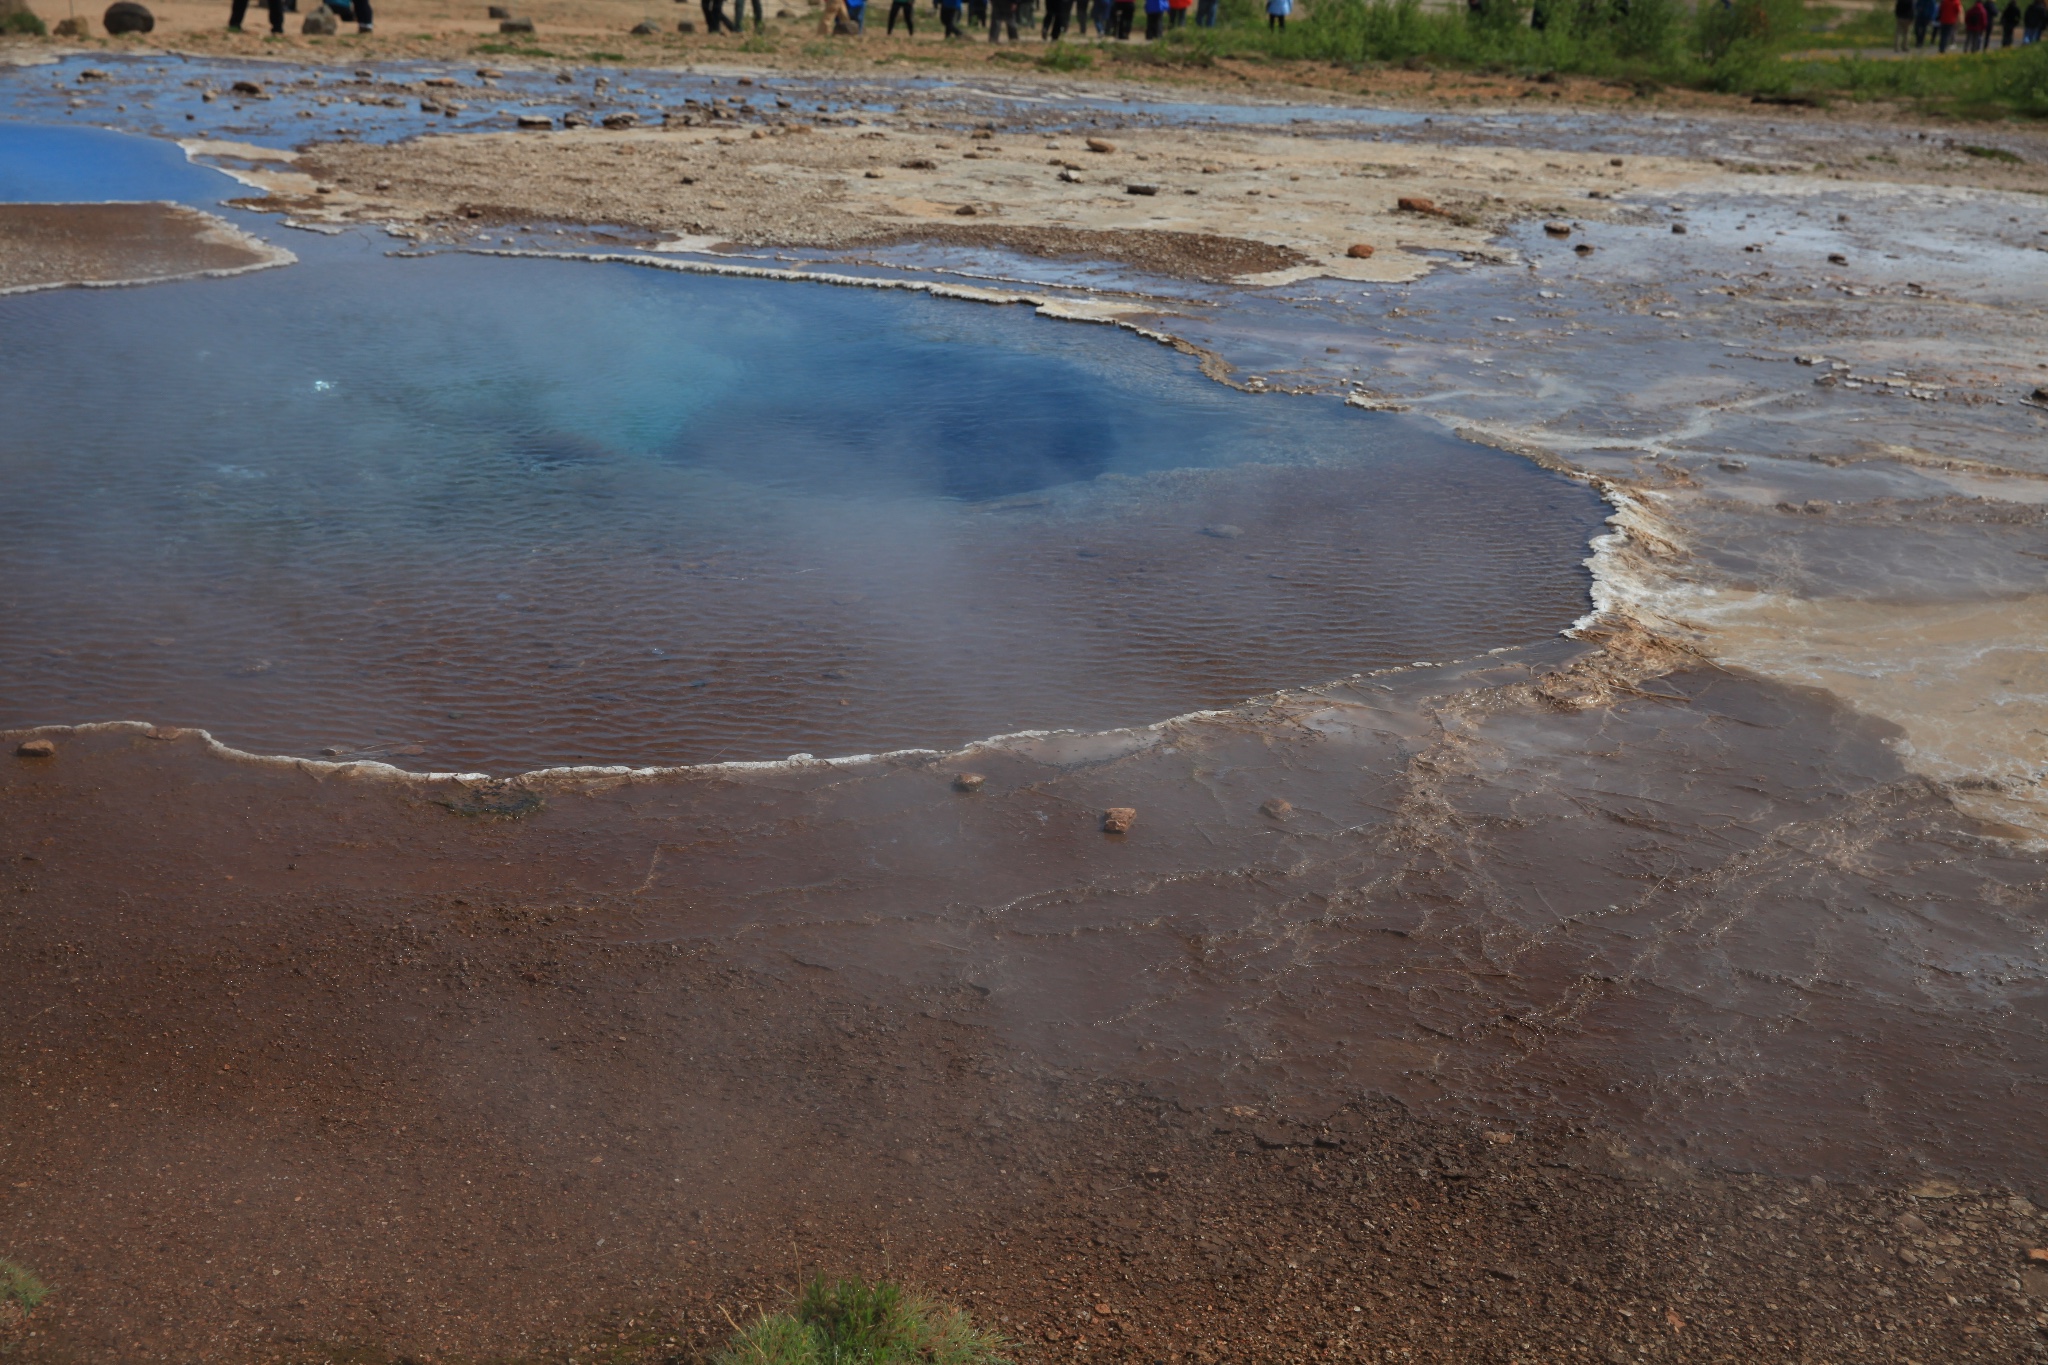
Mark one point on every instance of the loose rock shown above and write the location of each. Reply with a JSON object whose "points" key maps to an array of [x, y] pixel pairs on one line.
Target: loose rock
{"points": [[1359, 251], [621, 120], [249, 90], [1584, 248], [1141, 189], [1558, 229], [36, 748], [498, 12], [535, 121], [1678, 228], [968, 782], [126, 16], [320, 23], [77, 26], [516, 26], [1277, 808], [1415, 203], [1101, 144], [1119, 819]]}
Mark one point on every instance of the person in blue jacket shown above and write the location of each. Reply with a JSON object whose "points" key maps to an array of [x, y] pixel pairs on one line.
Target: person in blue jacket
{"points": [[1923, 19], [1155, 19], [1277, 12]]}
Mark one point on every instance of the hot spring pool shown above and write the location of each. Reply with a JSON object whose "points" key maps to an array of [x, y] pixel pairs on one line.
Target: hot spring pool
{"points": [[467, 512]]}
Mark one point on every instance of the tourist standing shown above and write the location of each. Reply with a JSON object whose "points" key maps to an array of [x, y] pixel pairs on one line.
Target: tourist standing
{"points": [[1902, 22], [1923, 20], [1155, 20], [2034, 23], [1278, 10], [240, 11], [1057, 13], [1946, 16], [857, 15], [1120, 12], [1205, 13], [2008, 21], [1101, 16], [949, 18], [1002, 15], [739, 12], [901, 7], [1977, 26], [1177, 12]]}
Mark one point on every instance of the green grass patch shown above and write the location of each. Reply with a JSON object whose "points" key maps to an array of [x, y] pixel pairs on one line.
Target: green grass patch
{"points": [[851, 1322], [1783, 50], [759, 42], [24, 23], [1062, 57], [1994, 154], [20, 1289]]}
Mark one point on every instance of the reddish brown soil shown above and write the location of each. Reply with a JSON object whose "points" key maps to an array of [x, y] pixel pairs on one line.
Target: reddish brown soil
{"points": [[310, 1070], [42, 245]]}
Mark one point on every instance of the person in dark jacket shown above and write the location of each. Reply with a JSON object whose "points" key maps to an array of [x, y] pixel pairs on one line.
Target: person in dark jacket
{"points": [[2008, 21], [2034, 23], [1923, 20], [1902, 23]]}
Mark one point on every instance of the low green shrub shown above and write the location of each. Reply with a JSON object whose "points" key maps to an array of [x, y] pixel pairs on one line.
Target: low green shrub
{"points": [[851, 1322], [19, 1289]]}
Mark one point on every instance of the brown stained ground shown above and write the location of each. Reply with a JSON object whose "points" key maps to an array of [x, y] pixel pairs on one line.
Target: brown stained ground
{"points": [[311, 1064], [44, 246]]}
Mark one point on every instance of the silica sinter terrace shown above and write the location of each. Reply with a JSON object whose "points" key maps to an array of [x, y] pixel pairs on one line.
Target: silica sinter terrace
{"points": [[473, 512]]}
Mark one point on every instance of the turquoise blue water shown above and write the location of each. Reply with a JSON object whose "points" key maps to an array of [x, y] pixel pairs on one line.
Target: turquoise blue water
{"points": [[44, 164], [463, 511]]}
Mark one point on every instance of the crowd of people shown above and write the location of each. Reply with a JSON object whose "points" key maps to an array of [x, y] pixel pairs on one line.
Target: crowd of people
{"points": [[1919, 22], [1006, 19]]}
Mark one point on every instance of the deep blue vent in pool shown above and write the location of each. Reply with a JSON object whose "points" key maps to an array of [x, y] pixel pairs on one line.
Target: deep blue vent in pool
{"points": [[472, 512]]}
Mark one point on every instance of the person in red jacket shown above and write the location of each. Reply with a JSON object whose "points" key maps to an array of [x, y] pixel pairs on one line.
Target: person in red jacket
{"points": [[1977, 27], [1945, 20]]}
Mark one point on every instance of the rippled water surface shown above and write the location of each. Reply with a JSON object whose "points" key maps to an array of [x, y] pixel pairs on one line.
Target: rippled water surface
{"points": [[504, 513]]}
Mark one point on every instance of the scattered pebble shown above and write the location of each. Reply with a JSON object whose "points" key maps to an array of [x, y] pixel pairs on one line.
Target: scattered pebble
{"points": [[43, 748], [1359, 251], [1276, 808], [1101, 144], [1119, 819], [968, 782]]}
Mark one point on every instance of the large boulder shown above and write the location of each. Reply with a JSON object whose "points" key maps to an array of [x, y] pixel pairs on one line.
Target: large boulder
{"points": [[127, 16], [320, 22]]}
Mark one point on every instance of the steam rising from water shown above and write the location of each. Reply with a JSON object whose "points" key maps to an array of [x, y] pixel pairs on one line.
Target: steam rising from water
{"points": [[465, 512]]}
